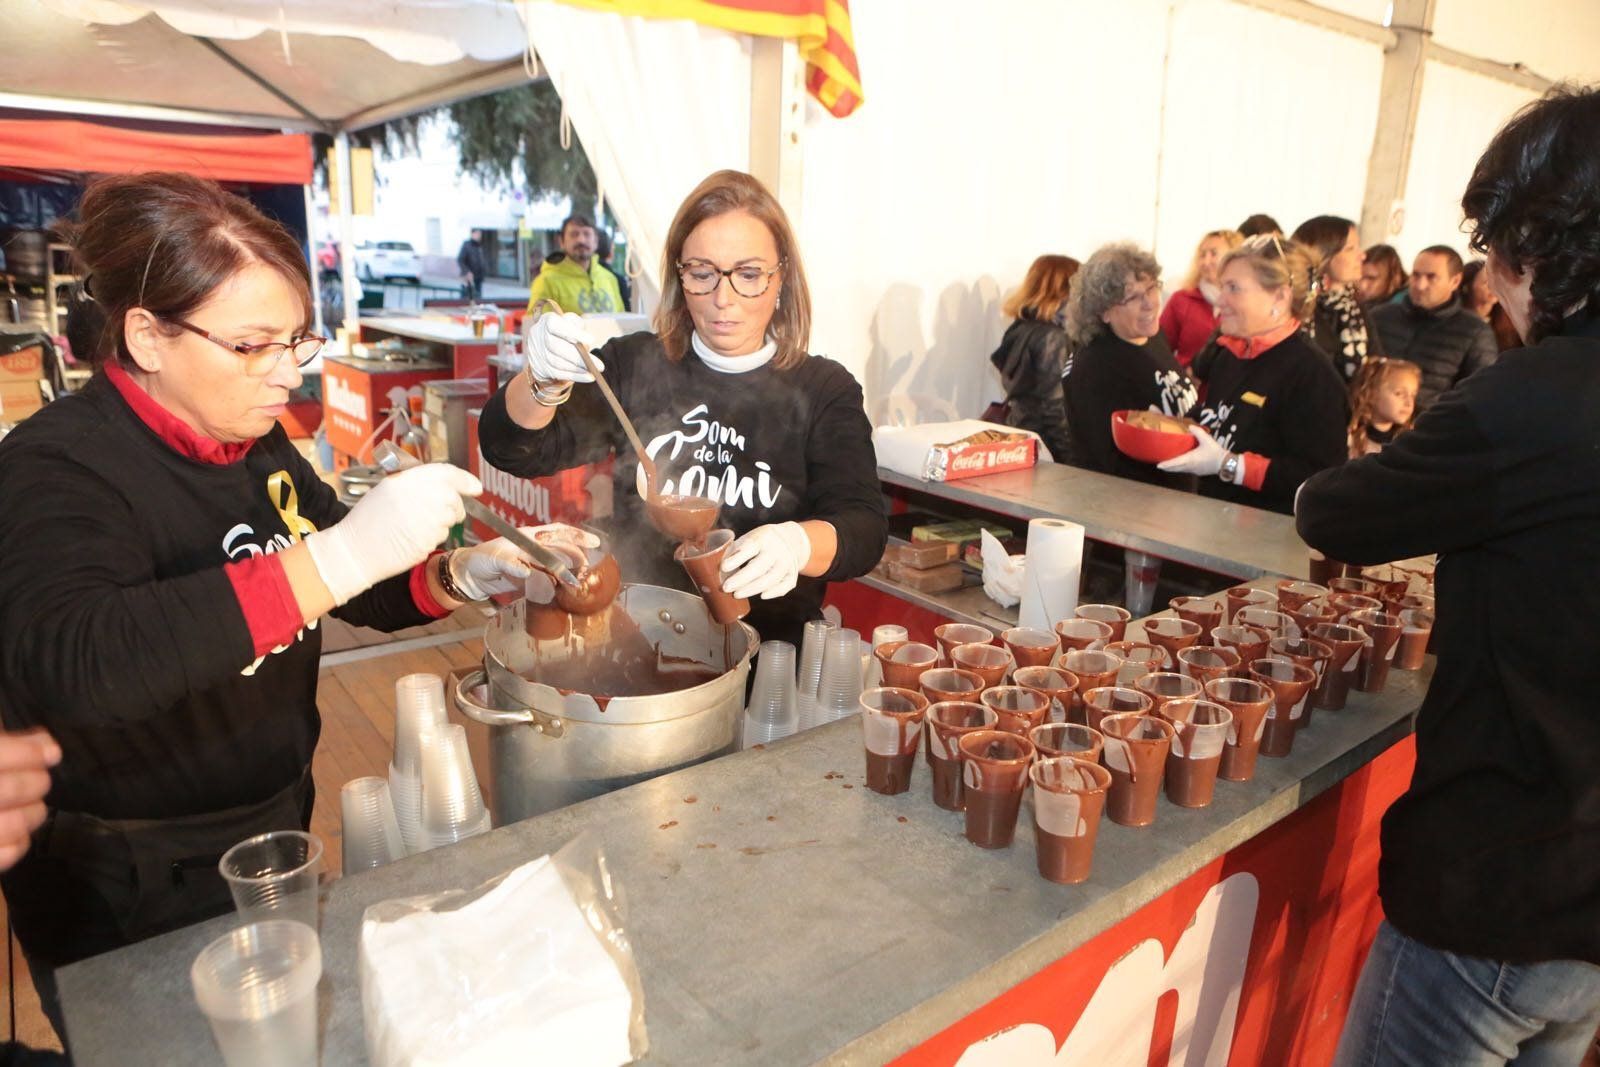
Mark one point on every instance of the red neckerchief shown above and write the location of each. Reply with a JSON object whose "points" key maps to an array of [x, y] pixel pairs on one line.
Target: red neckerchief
{"points": [[178, 435], [1251, 347]]}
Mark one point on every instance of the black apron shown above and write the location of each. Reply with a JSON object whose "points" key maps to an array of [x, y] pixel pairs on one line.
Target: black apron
{"points": [[89, 885]]}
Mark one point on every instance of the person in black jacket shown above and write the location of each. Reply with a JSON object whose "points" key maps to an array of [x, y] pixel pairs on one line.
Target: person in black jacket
{"points": [[1339, 326], [1275, 411], [1033, 353], [165, 555], [728, 404], [470, 261], [1490, 871], [1431, 327]]}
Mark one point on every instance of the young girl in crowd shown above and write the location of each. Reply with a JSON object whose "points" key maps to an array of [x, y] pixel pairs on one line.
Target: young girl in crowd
{"points": [[1383, 399]]}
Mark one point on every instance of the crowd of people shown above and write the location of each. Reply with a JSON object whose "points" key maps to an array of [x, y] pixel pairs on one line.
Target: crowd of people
{"points": [[1292, 352]]}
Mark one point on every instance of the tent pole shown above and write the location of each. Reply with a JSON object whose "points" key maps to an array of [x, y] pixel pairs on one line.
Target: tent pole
{"points": [[777, 119], [347, 231], [1398, 98], [318, 326]]}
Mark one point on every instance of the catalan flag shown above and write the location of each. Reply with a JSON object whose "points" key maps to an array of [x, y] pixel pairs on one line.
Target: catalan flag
{"points": [[822, 28]]}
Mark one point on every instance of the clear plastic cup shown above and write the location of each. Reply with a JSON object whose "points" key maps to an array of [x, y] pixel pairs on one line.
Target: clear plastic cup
{"points": [[887, 634], [1172, 635], [1205, 662], [811, 645], [891, 730], [1053, 739], [1243, 596], [946, 721], [1069, 796], [1138, 658], [1162, 686], [773, 712], [839, 686], [1275, 623], [275, 876], [418, 707], [1019, 709], [1200, 733], [1083, 634], [370, 834], [419, 710], [257, 986], [1105, 700], [1059, 685], [1112, 615], [948, 635], [989, 662], [1135, 752], [1140, 572], [1030, 646], [452, 805], [902, 663]]}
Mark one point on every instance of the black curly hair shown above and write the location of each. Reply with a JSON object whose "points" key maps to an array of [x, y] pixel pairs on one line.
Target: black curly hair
{"points": [[1534, 199]]}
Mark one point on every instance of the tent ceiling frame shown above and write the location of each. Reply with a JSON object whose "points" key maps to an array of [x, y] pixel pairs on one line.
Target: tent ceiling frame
{"points": [[113, 109], [243, 68]]}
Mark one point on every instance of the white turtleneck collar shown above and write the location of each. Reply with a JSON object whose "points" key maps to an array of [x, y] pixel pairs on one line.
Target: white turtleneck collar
{"points": [[733, 364]]}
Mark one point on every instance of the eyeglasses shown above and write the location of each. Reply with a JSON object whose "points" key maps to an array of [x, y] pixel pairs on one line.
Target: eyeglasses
{"points": [[700, 278], [1142, 295], [262, 359]]}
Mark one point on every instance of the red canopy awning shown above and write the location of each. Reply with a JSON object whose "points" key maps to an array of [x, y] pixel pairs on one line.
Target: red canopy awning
{"points": [[107, 148]]}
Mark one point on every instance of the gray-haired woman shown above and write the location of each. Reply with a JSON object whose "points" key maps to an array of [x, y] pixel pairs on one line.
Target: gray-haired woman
{"points": [[1121, 361]]}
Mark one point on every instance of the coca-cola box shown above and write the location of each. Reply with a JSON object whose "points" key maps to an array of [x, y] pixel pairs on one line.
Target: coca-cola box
{"points": [[969, 458]]}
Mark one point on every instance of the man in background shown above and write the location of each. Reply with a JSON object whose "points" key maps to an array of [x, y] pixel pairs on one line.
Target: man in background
{"points": [[1432, 328], [577, 281], [470, 260]]}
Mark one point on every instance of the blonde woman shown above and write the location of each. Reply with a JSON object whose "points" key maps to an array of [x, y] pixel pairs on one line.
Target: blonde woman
{"points": [[1190, 317], [1033, 353], [1275, 411]]}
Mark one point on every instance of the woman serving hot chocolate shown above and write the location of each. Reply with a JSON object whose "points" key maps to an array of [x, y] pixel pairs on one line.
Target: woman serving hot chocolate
{"points": [[728, 405]]}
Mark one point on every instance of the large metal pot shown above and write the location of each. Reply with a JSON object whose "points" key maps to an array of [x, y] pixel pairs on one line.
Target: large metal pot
{"points": [[549, 748]]}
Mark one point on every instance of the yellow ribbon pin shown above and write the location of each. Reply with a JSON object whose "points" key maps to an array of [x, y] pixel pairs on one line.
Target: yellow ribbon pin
{"points": [[280, 489], [1254, 399]]}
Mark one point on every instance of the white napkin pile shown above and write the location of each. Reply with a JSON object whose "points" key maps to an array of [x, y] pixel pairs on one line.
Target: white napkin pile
{"points": [[516, 976]]}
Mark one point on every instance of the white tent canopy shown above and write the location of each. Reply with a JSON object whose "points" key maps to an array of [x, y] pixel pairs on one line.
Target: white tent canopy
{"points": [[281, 64], [991, 132]]}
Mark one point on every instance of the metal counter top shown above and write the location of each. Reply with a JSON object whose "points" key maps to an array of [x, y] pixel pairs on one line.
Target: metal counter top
{"points": [[440, 330], [1228, 539], [781, 913]]}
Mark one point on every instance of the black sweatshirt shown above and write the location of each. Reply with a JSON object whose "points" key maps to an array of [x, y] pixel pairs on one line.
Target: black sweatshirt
{"points": [[1107, 374], [772, 445], [1494, 850], [120, 631], [1286, 404]]}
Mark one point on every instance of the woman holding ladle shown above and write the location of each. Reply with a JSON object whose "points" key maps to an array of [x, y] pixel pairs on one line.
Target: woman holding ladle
{"points": [[727, 404]]}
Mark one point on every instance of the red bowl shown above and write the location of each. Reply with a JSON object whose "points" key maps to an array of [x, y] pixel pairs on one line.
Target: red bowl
{"points": [[1148, 445]]}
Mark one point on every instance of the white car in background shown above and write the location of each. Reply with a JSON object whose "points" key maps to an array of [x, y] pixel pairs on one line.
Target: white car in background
{"points": [[382, 260]]}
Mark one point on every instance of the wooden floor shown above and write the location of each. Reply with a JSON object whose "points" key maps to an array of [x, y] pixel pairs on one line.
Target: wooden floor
{"points": [[355, 694]]}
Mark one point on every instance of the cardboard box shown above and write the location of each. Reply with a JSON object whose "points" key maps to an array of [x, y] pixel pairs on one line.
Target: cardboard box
{"points": [[969, 458], [19, 399], [959, 531], [23, 365]]}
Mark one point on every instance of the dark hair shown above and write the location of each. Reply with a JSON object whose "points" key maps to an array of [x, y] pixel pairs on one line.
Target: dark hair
{"points": [[165, 242], [722, 192], [1256, 225], [1325, 235], [1452, 258], [1394, 271], [602, 245], [1534, 200], [1469, 277], [576, 219]]}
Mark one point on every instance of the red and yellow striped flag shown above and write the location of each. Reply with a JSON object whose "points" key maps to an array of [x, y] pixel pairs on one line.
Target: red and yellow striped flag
{"points": [[822, 28]]}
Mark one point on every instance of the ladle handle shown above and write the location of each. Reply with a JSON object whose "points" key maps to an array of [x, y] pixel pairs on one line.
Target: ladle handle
{"points": [[645, 461]]}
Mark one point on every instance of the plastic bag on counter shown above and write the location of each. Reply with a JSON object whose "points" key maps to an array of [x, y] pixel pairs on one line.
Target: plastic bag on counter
{"points": [[533, 966]]}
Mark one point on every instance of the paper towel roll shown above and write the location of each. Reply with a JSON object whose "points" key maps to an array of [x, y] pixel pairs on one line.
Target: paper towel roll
{"points": [[1051, 572]]}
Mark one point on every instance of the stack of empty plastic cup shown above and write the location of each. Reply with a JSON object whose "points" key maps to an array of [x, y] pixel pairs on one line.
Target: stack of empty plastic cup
{"points": [[452, 806], [772, 713], [418, 711], [257, 986], [816, 635], [371, 833], [839, 687]]}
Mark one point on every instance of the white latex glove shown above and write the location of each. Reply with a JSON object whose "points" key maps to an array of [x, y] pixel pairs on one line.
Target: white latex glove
{"points": [[551, 351], [498, 566], [766, 561], [392, 528], [1204, 459]]}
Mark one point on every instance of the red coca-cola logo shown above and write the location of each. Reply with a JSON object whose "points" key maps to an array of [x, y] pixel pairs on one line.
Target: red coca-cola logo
{"points": [[987, 457]]}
